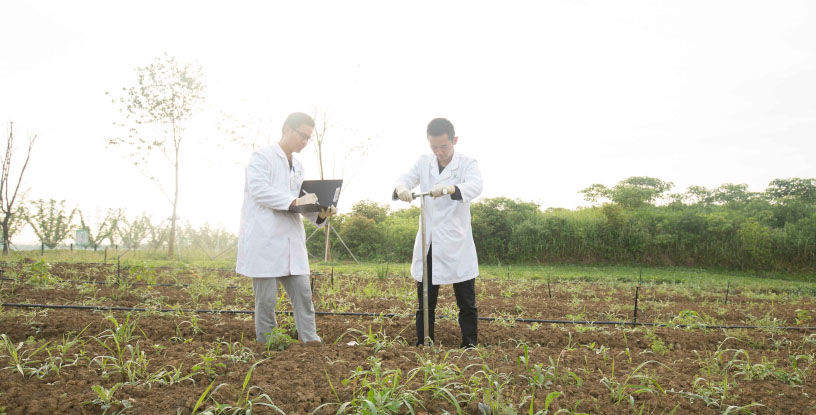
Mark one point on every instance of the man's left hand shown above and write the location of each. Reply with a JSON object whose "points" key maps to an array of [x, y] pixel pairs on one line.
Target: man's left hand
{"points": [[440, 190], [327, 213]]}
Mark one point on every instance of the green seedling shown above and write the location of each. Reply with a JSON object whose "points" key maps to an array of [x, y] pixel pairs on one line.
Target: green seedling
{"points": [[278, 340], [22, 361], [106, 401]]}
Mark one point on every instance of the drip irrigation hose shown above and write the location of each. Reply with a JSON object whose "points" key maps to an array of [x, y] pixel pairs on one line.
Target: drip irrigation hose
{"points": [[21, 281], [394, 315]]}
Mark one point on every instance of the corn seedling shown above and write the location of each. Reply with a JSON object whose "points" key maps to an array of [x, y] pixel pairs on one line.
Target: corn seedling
{"points": [[243, 403], [106, 402], [633, 383], [377, 340], [378, 391], [22, 361]]}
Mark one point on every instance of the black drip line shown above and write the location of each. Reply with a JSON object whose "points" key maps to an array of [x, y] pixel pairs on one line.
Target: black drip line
{"points": [[22, 281], [394, 315]]}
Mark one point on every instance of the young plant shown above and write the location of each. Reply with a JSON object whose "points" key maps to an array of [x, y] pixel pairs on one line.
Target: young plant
{"points": [[22, 361], [243, 403], [278, 340], [106, 402], [378, 391], [633, 383]]}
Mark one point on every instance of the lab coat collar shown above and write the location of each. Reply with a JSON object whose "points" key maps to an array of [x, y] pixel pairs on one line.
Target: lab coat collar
{"points": [[453, 165], [279, 150]]}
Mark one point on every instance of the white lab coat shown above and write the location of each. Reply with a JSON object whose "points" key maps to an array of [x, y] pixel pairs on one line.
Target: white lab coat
{"points": [[271, 239], [447, 221]]}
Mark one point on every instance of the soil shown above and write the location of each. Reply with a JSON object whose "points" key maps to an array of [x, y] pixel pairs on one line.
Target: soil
{"points": [[302, 377]]}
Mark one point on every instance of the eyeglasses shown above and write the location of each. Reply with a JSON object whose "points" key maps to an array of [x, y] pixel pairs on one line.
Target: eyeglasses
{"points": [[303, 135]]}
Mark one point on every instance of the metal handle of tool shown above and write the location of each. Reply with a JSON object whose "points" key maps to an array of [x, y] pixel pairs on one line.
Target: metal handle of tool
{"points": [[428, 193]]}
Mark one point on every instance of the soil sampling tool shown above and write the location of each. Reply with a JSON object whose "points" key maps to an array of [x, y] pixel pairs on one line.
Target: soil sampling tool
{"points": [[425, 326], [425, 319]]}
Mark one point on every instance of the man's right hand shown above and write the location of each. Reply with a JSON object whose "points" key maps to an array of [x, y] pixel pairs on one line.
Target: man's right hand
{"points": [[306, 199], [404, 194]]}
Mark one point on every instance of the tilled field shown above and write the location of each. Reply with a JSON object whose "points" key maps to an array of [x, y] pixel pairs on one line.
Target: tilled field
{"points": [[81, 361]]}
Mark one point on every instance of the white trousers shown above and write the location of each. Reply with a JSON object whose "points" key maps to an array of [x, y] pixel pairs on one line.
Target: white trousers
{"points": [[266, 297]]}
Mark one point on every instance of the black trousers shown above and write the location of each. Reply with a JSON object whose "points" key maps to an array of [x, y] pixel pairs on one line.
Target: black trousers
{"points": [[465, 293]]}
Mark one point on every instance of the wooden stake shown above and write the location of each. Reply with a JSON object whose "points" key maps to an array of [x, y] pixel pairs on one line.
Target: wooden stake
{"points": [[637, 293], [727, 290], [549, 292], [332, 277]]}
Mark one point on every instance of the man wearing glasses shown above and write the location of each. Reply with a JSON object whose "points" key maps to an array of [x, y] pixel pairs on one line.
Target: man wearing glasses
{"points": [[454, 180], [271, 240]]}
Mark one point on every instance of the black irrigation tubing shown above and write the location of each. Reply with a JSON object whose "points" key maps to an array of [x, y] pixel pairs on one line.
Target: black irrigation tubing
{"points": [[62, 263], [117, 283], [393, 315]]}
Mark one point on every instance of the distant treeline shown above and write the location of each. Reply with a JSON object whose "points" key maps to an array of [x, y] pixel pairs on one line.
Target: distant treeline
{"points": [[636, 221]]}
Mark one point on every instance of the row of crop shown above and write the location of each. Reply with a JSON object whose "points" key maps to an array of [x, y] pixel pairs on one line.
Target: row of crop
{"points": [[508, 381]]}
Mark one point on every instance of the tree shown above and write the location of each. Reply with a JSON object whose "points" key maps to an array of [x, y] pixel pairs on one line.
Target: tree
{"points": [[17, 222], [347, 152], [319, 136], [731, 194], [157, 234], [596, 192], [363, 236], [699, 195], [493, 222], [156, 110], [104, 230], [633, 192], [207, 237], [639, 191], [13, 215], [133, 232], [780, 190], [51, 222], [371, 210]]}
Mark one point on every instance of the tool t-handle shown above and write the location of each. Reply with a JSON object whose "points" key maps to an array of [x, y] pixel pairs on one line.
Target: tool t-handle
{"points": [[416, 195]]}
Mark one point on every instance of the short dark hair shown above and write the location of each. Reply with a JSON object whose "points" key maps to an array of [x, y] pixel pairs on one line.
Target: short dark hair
{"points": [[296, 119], [439, 126]]}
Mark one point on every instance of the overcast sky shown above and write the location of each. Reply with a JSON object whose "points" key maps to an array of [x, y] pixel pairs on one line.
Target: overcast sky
{"points": [[550, 97]]}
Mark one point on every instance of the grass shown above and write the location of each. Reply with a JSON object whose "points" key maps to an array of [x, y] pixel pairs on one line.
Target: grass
{"points": [[700, 278]]}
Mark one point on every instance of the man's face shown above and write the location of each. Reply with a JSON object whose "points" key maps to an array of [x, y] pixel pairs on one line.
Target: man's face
{"points": [[297, 138], [442, 147]]}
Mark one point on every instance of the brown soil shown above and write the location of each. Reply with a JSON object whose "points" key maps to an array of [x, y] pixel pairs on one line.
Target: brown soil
{"points": [[298, 378]]}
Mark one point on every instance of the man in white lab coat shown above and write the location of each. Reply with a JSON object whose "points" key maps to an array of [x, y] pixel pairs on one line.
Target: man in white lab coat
{"points": [[454, 180], [271, 240]]}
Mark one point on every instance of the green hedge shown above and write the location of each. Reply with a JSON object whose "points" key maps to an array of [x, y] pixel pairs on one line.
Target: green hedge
{"points": [[757, 231]]}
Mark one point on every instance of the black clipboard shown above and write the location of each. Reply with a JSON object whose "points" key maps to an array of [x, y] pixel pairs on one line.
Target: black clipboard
{"points": [[327, 191]]}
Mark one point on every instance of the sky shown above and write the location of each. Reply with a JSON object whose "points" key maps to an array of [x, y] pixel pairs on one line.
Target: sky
{"points": [[550, 97]]}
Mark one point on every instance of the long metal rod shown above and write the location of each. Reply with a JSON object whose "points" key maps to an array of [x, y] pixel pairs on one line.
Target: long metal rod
{"points": [[425, 311], [326, 250], [393, 315], [334, 229], [312, 234]]}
